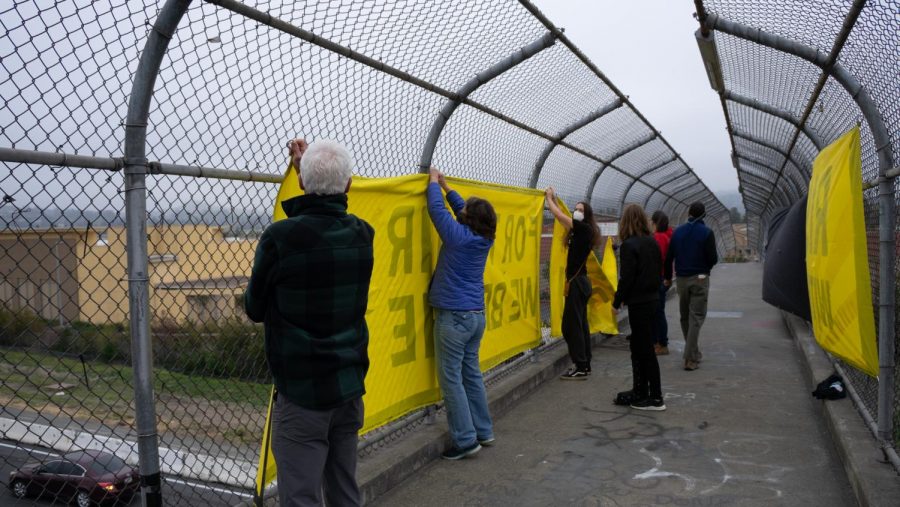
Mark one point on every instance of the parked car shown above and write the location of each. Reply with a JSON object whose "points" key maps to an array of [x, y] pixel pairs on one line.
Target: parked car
{"points": [[83, 477]]}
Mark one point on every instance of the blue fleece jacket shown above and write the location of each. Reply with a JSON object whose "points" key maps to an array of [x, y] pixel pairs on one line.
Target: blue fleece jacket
{"points": [[458, 280], [693, 249]]}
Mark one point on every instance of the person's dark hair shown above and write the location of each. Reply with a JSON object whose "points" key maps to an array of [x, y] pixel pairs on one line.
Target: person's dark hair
{"points": [[633, 222], [589, 218], [697, 210], [479, 215], [661, 220]]}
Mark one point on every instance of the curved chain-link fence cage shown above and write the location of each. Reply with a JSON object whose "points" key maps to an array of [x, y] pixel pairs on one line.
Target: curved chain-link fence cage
{"points": [[236, 82], [782, 108]]}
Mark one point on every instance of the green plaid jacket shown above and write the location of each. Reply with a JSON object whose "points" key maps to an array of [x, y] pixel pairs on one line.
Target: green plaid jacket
{"points": [[310, 286]]}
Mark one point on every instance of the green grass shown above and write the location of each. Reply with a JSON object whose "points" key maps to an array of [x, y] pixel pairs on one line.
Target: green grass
{"points": [[211, 407]]}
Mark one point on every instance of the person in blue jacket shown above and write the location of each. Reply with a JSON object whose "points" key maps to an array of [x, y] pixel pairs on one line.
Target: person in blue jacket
{"points": [[693, 251], [457, 295]]}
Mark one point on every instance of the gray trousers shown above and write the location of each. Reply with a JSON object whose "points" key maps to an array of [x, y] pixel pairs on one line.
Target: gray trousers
{"points": [[693, 293], [315, 450]]}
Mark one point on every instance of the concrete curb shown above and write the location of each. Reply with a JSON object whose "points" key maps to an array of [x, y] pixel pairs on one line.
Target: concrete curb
{"points": [[875, 482], [390, 466]]}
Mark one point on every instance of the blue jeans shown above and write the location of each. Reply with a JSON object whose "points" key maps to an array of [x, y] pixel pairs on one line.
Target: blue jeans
{"points": [[661, 329], [457, 337]]}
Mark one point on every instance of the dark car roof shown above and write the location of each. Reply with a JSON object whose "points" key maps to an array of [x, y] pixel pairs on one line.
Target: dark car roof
{"points": [[86, 456], [97, 462]]}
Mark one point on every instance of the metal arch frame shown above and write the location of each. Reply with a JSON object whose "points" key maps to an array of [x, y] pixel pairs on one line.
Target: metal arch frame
{"points": [[652, 194], [688, 197], [566, 132], [796, 191], [621, 153], [758, 181], [641, 176], [778, 113], [528, 5], [524, 53], [831, 68], [135, 173], [799, 189], [762, 142], [667, 182]]}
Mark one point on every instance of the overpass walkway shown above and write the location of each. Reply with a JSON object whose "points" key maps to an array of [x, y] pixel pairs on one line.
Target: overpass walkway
{"points": [[741, 430]]}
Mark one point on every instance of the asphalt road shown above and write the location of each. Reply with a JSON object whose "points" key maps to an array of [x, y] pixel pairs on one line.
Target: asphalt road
{"points": [[175, 491]]}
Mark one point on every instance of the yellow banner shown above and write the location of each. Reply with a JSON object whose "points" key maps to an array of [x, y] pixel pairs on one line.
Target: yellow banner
{"points": [[402, 376], [837, 265], [266, 471], [604, 281]]}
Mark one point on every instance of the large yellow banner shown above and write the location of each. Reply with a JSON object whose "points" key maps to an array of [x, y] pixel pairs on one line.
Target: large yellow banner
{"points": [[837, 265], [401, 347], [604, 280], [401, 375]]}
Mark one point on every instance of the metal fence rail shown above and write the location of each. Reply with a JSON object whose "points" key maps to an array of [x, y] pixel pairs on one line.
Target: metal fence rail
{"points": [[792, 78], [139, 145]]}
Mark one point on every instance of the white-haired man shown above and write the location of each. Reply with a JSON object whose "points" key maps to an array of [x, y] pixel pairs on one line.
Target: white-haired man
{"points": [[310, 285]]}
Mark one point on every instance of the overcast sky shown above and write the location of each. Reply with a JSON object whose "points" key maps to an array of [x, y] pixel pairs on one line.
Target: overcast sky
{"points": [[651, 55]]}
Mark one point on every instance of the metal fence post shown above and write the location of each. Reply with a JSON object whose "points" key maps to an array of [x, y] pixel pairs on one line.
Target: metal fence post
{"points": [[887, 217], [136, 230]]}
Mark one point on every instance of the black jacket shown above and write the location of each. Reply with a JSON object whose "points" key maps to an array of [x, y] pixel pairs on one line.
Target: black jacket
{"points": [[310, 285], [639, 271]]}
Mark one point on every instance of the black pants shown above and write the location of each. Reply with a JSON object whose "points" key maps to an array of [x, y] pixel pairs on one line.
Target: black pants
{"points": [[644, 367], [575, 326]]}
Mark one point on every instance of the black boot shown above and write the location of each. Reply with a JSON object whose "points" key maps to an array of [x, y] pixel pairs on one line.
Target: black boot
{"points": [[638, 388]]}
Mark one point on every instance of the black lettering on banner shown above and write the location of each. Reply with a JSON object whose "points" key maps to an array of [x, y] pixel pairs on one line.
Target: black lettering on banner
{"points": [[529, 296], [535, 226], [819, 234], [524, 302], [401, 243], [515, 312], [406, 329], [495, 311], [820, 297], [520, 238]]}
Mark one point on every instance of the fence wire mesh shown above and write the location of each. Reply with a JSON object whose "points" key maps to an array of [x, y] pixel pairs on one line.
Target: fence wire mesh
{"points": [[229, 94], [787, 82]]}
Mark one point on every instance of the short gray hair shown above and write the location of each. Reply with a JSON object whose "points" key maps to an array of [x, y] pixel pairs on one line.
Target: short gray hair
{"points": [[326, 167]]}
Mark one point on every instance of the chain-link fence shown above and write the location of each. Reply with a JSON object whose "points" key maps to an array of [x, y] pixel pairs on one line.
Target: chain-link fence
{"points": [[793, 77], [139, 147]]}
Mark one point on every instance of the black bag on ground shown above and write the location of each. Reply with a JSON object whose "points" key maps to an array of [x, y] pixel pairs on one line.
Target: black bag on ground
{"points": [[625, 398], [831, 388]]}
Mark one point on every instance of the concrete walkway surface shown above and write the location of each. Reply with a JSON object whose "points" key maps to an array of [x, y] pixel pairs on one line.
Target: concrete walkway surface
{"points": [[742, 430]]}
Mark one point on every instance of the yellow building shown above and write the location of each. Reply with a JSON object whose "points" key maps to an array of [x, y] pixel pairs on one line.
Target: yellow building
{"points": [[196, 273]]}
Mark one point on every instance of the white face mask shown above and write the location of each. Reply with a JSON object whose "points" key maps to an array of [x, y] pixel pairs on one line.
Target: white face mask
{"points": [[578, 215]]}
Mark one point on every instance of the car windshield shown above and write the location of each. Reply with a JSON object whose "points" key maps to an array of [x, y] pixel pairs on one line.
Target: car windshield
{"points": [[106, 463]]}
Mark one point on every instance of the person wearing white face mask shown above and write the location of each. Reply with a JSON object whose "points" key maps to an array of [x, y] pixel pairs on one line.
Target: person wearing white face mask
{"points": [[584, 234]]}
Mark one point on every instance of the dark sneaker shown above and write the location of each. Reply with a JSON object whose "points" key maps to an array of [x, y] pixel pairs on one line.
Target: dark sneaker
{"points": [[574, 374], [487, 442], [455, 453], [588, 370], [655, 404]]}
